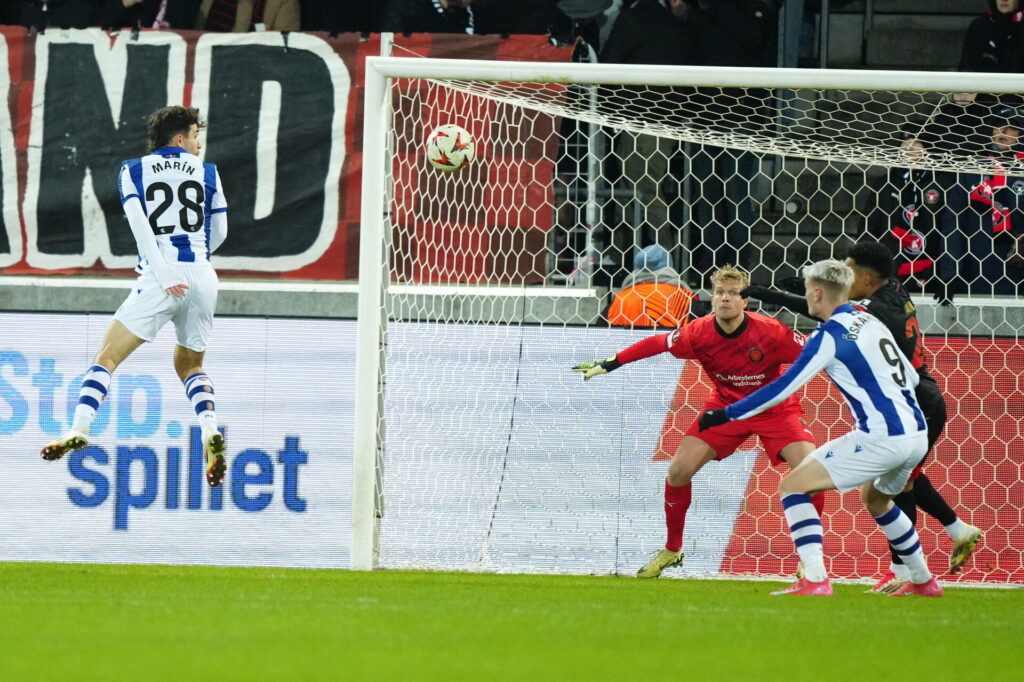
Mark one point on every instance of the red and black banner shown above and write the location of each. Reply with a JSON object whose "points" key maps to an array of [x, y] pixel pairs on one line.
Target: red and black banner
{"points": [[284, 116]]}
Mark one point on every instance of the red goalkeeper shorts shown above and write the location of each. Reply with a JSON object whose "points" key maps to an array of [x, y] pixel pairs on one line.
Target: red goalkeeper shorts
{"points": [[775, 429]]}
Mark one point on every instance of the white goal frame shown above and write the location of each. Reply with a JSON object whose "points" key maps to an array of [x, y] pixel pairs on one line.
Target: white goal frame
{"points": [[374, 240]]}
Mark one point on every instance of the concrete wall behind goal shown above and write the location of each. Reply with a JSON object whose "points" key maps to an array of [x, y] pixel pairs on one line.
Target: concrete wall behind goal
{"points": [[968, 316]]}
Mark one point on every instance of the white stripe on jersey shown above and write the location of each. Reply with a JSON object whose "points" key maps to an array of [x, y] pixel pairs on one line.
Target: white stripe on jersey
{"points": [[860, 355], [179, 195]]}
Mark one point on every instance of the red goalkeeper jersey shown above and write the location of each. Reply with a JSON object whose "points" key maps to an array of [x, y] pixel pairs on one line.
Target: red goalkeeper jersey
{"points": [[743, 361]]}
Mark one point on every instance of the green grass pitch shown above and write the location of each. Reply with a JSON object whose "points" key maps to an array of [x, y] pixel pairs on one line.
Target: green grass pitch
{"points": [[79, 622]]}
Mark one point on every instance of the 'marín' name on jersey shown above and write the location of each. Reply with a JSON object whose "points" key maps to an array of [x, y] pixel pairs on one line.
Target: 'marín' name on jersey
{"points": [[181, 196], [861, 357], [740, 362]]}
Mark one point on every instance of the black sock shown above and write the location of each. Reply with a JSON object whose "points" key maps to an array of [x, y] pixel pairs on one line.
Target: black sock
{"points": [[929, 499], [905, 501]]}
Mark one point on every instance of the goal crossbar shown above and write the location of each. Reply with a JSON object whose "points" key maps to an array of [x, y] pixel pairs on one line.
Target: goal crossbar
{"points": [[716, 76]]}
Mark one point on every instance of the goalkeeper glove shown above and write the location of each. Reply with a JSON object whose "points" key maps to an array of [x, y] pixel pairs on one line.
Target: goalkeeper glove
{"points": [[711, 418], [597, 367]]}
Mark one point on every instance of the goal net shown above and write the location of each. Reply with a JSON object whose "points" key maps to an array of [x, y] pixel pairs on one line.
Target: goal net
{"points": [[478, 449]]}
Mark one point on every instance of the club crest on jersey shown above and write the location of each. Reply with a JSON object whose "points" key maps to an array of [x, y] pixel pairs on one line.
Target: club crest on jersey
{"points": [[755, 355], [912, 243], [931, 196]]}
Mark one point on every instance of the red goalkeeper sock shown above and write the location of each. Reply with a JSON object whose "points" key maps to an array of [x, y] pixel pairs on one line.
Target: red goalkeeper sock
{"points": [[677, 501], [818, 500]]}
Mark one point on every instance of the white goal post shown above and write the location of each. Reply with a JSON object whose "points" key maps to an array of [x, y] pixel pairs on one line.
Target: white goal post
{"points": [[825, 124]]}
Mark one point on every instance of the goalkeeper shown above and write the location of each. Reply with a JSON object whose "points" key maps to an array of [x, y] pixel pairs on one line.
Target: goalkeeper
{"points": [[740, 351], [879, 293]]}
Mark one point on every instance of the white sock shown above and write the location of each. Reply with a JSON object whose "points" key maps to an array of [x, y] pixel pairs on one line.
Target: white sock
{"points": [[957, 529], [902, 536], [199, 389], [900, 571], [805, 529], [95, 384]]}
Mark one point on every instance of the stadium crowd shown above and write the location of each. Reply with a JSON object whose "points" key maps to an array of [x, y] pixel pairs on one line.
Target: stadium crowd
{"points": [[428, 16], [953, 233]]}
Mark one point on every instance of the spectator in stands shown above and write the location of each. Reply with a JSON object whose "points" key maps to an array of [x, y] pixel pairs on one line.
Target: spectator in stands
{"points": [[515, 17], [10, 13], [647, 32], [118, 14], [906, 221], [959, 126], [736, 32], [176, 14], [19, 13], [995, 42], [334, 16], [984, 214], [110, 14], [589, 20], [730, 33], [430, 16], [242, 16], [58, 13], [653, 295]]}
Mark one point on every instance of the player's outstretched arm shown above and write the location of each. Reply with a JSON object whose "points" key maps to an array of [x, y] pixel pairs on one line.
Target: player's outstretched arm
{"points": [[597, 367], [649, 347], [780, 298]]}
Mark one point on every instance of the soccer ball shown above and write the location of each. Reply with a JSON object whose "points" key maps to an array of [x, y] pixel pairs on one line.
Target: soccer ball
{"points": [[450, 147]]}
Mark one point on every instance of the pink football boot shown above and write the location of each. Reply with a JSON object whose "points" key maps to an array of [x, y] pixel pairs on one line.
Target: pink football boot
{"points": [[928, 589], [805, 586]]}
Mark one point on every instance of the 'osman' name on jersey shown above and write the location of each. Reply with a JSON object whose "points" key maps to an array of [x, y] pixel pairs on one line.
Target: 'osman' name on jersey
{"points": [[174, 164]]}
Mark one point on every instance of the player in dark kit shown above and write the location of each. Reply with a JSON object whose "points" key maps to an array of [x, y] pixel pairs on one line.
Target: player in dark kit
{"points": [[740, 351], [876, 290], [907, 221]]}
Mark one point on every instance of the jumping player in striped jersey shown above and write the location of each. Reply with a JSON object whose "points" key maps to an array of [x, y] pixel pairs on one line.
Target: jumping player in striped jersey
{"points": [[876, 290], [861, 357], [740, 351], [176, 210]]}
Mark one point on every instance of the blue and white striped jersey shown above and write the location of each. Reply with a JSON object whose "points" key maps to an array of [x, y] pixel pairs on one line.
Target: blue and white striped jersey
{"points": [[861, 357], [181, 197]]}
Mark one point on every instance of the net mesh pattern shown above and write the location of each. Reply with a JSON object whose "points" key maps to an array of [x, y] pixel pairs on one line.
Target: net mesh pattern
{"points": [[499, 278]]}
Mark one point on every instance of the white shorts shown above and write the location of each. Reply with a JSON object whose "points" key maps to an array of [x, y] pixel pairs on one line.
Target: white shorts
{"points": [[858, 457], [148, 308]]}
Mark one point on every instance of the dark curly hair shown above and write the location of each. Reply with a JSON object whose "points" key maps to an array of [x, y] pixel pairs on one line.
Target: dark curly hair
{"points": [[164, 124], [874, 256]]}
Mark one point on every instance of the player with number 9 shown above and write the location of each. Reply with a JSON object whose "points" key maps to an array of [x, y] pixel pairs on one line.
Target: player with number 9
{"points": [[876, 289], [176, 210], [877, 381]]}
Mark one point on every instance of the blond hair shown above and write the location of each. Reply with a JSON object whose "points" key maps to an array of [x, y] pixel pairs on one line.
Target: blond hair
{"points": [[730, 272], [835, 277]]}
